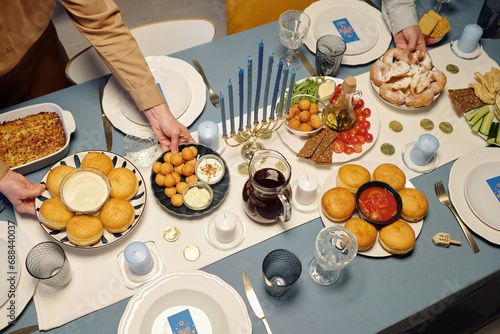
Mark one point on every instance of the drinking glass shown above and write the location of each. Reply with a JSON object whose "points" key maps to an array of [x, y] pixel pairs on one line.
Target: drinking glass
{"points": [[330, 50], [489, 18], [335, 247], [294, 25], [48, 263], [439, 4], [141, 146], [281, 269]]}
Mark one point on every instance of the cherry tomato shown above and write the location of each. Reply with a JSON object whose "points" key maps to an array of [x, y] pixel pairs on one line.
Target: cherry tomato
{"points": [[360, 103], [358, 148], [352, 133], [369, 137], [360, 119], [358, 111], [366, 125], [348, 150], [354, 141], [367, 112], [362, 132], [338, 146], [361, 139], [344, 136], [356, 128]]}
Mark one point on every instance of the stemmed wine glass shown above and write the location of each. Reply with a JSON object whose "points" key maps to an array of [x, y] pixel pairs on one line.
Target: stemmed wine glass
{"points": [[294, 26], [437, 7], [335, 247]]}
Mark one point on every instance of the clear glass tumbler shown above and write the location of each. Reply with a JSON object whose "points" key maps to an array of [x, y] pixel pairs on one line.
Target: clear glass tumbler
{"points": [[48, 263], [281, 270], [141, 146]]}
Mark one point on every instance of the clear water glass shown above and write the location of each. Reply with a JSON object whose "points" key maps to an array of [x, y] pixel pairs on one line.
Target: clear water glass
{"points": [[335, 248], [281, 269], [294, 26], [141, 146], [48, 263]]}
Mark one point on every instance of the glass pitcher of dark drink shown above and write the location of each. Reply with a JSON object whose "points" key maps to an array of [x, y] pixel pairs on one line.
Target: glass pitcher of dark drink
{"points": [[267, 194]]}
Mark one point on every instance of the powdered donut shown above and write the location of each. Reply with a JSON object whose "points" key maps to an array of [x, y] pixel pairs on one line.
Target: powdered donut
{"points": [[379, 73], [394, 55], [437, 81], [415, 100], [422, 59], [392, 95]]}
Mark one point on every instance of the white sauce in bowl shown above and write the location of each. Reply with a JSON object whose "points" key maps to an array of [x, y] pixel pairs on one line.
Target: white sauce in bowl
{"points": [[85, 192], [210, 171]]}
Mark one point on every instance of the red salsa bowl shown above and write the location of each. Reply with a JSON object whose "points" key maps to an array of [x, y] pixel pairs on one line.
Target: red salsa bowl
{"points": [[378, 203]]}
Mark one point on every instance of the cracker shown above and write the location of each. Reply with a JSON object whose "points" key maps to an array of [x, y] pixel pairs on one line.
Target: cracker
{"points": [[442, 27], [323, 151], [427, 23], [311, 144], [434, 14], [464, 100]]}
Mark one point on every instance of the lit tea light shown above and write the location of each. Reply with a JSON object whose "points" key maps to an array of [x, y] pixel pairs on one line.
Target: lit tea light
{"points": [[306, 189], [424, 149], [138, 258]]}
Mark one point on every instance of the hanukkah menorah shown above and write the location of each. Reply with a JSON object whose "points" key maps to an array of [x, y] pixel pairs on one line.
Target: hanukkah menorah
{"points": [[247, 136]]}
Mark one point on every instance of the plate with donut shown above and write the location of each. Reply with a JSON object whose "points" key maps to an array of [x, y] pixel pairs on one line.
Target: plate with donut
{"points": [[172, 173], [407, 82], [120, 210], [296, 143], [346, 179]]}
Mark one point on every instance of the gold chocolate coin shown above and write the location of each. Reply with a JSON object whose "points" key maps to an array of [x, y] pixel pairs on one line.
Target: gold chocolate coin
{"points": [[171, 233], [387, 149], [452, 69], [192, 253], [446, 127], [396, 126], [427, 124], [243, 169]]}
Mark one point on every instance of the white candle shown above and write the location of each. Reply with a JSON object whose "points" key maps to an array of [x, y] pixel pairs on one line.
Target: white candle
{"points": [[225, 227], [306, 189], [208, 134], [424, 149], [138, 258], [469, 38]]}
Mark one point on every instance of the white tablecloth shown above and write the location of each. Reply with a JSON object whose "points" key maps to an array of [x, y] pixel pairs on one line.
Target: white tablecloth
{"points": [[97, 281]]}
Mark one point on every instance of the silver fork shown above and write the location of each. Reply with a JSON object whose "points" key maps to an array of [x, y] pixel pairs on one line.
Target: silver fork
{"points": [[443, 198], [214, 98]]}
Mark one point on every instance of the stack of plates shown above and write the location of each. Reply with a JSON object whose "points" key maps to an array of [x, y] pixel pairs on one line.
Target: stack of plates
{"points": [[360, 25], [474, 187]]}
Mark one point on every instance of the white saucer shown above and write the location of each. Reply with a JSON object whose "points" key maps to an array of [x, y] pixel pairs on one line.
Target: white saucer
{"points": [[175, 89], [314, 206], [348, 23], [405, 155], [241, 232], [468, 56], [482, 192]]}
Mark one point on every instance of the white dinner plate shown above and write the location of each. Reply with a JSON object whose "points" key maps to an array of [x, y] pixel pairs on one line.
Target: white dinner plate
{"points": [[357, 29], [297, 142], [26, 285], [482, 191], [138, 201], [9, 263], [331, 181], [196, 289], [384, 36], [173, 85], [459, 173], [112, 95]]}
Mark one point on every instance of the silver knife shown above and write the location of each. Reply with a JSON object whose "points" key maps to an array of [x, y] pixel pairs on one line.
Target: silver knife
{"points": [[306, 63], [254, 302], [108, 134]]}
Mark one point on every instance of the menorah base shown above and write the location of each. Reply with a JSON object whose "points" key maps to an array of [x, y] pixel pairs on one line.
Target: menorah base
{"points": [[249, 148]]}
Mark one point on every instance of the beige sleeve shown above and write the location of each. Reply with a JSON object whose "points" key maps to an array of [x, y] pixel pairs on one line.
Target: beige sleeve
{"points": [[3, 169], [100, 22]]}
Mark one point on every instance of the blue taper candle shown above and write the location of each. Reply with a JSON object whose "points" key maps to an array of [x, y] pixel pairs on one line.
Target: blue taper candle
{"points": [[290, 91], [240, 86], [231, 106], [223, 115], [249, 97], [268, 81], [259, 80], [283, 86], [276, 90]]}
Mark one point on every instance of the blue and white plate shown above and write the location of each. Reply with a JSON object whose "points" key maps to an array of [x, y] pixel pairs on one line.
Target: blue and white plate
{"points": [[138, 202]]}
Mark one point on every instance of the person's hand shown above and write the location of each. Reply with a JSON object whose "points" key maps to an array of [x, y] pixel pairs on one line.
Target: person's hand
{"points": [[20, 191], [410, 39], [168, 130]]}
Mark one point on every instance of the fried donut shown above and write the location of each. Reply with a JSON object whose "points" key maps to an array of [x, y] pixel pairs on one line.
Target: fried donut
{"points": [[394, 55], [415, 100], [419, 82], [379, 73], [399, 69], [392, 95], [422, 59], [437, 81]]}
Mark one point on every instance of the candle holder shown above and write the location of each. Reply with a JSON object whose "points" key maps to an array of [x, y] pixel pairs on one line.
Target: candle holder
{"points": [[429, 160], [478, 50]]}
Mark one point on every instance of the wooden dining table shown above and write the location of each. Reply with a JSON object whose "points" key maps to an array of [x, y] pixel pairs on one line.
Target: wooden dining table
{"points": [[431, 289]]}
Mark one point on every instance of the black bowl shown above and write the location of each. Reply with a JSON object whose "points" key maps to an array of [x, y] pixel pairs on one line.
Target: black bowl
{"points": [[391, 190]]}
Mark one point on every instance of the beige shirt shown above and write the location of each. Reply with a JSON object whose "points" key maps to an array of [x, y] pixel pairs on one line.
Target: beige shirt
{"points": [[23, 21]]}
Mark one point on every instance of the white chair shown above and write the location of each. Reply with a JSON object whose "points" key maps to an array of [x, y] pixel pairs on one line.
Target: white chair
{"points": [[154, 39]]}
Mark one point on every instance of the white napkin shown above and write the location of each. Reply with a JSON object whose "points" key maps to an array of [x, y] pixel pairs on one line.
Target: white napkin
{"points": [[97, 281]]}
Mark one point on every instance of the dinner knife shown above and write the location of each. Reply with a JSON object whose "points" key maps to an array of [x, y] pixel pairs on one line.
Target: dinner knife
{"points": [[254, 302], [108, 134], [26, 330], [306, 63]]}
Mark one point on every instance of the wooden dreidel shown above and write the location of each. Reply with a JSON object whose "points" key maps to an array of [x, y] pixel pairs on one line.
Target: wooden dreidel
{"points": [[444, 240]]}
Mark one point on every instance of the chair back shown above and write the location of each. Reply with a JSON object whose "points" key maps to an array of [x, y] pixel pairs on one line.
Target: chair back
{"points": [[154, 39]]}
